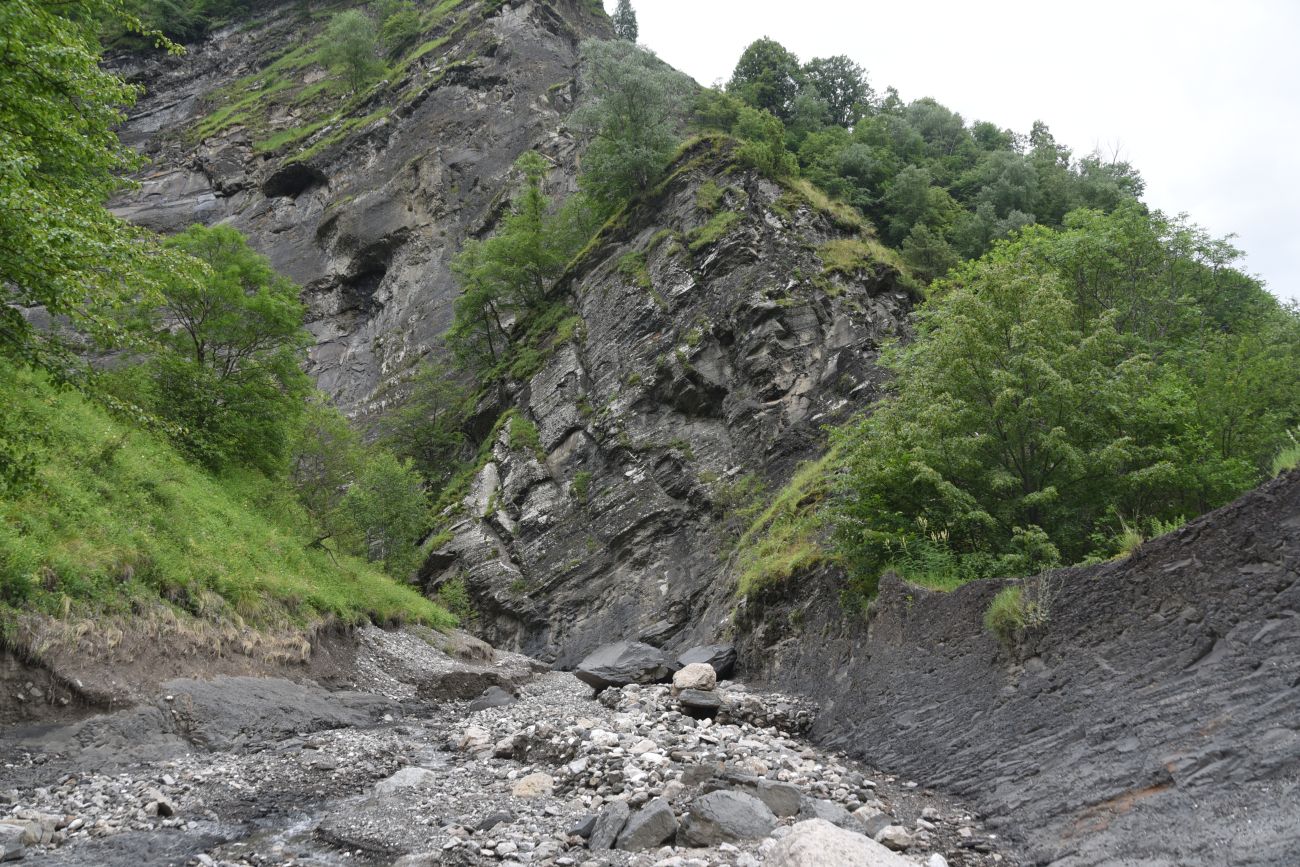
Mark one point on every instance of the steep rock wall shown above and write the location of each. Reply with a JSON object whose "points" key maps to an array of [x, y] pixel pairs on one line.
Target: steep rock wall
{"points": [[1155, 720], [367, 224], [714, 345]]}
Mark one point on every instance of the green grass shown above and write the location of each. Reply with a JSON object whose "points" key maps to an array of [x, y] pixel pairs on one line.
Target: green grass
{"points": [[1288, 458], [786, 537], [633, 267], [712, 231], [524, 437], [1005, 616], [708, 197], [114, 521]]}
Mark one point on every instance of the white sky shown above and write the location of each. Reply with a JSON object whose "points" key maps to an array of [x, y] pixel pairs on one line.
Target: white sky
{"points": [[1202, 97]]}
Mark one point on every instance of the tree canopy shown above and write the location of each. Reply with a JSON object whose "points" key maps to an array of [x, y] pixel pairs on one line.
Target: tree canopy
{"points": [[1070, 385], [625, 26], [59, 162], [632, 107]]}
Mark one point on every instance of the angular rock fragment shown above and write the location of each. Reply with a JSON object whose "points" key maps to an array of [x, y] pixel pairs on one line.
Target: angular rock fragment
{"points": [[725, 817], [623, 663], [650, 827]]}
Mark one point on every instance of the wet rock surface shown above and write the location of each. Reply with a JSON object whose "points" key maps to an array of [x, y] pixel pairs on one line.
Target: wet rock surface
{"points": [[556, 777]]}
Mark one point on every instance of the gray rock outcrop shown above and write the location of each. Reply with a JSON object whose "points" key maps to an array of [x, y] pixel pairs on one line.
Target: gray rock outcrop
{"points": [[715, 345], [369, 220], [1162, 690]]}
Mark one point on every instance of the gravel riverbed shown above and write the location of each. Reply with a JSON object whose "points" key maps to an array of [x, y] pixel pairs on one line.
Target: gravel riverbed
{"points": [[554, 776]]}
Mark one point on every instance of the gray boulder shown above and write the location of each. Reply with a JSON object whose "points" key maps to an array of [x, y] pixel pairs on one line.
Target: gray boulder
{"points": [[700, 704], [11, 841], [721, 656], [725, 817], [608, 825], [782, 799], [493, 696], [649, 828], [818, 843], [624, 662], [816, 808]]}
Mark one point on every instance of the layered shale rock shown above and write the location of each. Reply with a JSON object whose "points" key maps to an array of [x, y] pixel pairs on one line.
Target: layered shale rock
{"points": [[364, 208], [714, 342]]}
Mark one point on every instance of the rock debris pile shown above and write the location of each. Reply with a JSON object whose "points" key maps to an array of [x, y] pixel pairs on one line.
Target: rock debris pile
{"points": [[547, 773]]}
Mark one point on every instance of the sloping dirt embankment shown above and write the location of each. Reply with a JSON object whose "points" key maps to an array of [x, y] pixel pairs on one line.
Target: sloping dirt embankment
{"points": [[1153, 721]]}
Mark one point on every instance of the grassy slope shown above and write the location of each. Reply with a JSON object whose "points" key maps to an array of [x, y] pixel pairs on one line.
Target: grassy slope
{"points": [[115, 522]]}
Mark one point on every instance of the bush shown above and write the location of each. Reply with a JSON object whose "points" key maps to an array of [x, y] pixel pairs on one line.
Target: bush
{"points": [[400, 28], [351, 42], [1005, 616], [762, 146]]}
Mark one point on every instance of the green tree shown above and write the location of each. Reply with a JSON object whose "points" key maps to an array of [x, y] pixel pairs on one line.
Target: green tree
{"points": [[762, 137], [767, 77], [229, 373], [351, 42], [387, 509], [842, 85], [510, 273], [428, 426], [633, 107], [625, 26], [363, 499], [60, 160], [1068, 385]]}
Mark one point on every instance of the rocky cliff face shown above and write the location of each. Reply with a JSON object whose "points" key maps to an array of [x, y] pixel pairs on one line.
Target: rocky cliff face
{"points": [[363, 202], [714, 343], [1151, 721]]}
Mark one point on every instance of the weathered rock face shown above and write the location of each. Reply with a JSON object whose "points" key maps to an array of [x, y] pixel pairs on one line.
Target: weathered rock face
{"points": [[700, 365], [1154, 716], [367, 224]]}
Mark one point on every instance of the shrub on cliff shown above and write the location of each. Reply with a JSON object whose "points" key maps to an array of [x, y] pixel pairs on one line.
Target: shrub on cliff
{"points": [[1066, 386]]}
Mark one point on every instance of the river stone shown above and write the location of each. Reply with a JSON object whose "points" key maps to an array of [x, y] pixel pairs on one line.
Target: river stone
{"points": [[896, 837], [648, 828], [818, 843], [697, 675], [699, 704], [407, 778], [725, 817], [534, 786], [493, 696], [624, 662], [782, 799], [722, 657], [873, 821], [11, 841], [610, 821], [817, 808]]}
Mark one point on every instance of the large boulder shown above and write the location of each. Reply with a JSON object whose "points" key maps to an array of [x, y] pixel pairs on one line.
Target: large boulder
{"points": [[722, 657], [725, 817], [697, 675], [625, 662], [649, 828], [818, 843]]}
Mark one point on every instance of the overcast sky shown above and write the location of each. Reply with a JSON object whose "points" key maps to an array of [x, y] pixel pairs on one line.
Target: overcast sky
{"points": [[1203, 98]]}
